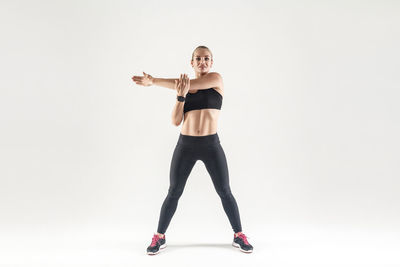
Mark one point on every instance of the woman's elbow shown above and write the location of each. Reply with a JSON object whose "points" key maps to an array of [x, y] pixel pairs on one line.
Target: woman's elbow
{"points": [[176, 122]]}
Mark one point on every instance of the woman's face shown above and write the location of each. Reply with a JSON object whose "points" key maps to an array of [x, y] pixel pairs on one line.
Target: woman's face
{"points": [[201, 61]]}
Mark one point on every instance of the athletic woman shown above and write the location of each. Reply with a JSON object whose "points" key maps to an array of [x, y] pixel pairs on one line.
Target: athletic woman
{"points": [[198, 103]]}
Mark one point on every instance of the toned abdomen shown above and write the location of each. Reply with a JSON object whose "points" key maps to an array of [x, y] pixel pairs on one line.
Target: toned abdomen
{"points": [[200, 122]]}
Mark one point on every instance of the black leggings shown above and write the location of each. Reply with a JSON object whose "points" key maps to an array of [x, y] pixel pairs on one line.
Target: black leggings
{"points": [[188, 150]]}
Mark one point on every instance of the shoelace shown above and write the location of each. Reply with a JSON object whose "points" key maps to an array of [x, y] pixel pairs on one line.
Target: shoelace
{"points": [[244, 238], [154, 240]]}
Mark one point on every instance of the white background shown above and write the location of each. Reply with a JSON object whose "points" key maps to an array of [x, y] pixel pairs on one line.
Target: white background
{"points": [[309, 125]]}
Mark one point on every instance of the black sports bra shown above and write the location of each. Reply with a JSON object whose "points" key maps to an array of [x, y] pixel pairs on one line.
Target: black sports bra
{"points": [[205, 98]]}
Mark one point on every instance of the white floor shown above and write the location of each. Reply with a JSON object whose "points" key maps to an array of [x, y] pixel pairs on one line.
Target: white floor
{"points": [[275, 246]]}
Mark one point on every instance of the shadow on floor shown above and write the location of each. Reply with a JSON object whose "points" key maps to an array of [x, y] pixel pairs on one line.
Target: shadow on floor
{"points": [[200, 245]]}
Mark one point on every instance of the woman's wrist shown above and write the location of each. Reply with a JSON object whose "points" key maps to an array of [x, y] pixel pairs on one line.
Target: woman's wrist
{"points": [[180, 93]]}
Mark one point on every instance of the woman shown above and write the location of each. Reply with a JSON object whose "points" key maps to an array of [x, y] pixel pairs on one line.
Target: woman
{"points": [[198, 103]]}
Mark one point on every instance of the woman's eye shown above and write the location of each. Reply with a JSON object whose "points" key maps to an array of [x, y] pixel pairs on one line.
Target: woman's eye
{"points": [[206, 59]]}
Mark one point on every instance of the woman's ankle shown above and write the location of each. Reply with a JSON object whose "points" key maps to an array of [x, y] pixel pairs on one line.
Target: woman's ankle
{"points": [[160, 235]]}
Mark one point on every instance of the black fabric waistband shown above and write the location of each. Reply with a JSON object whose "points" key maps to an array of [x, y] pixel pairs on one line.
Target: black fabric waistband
{"points": [[198, 140]]}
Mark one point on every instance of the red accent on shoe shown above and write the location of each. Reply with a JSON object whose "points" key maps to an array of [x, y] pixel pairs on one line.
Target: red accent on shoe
{"points": [[154, 240], [244, 238]]}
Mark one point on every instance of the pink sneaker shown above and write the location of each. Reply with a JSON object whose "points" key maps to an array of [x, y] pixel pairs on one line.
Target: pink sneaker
{"points": [[157, 243], [241, 242]]}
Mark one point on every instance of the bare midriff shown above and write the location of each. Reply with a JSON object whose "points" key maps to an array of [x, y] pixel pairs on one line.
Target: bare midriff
{"points": [[200, 122]]}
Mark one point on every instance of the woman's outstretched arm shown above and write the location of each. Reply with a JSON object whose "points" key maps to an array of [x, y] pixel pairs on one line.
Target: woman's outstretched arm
{"points": [[211, 79], [165, 82], [147, 80]]}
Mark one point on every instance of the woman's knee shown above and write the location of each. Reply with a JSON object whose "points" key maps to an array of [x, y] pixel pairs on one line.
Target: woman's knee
{"points": [[175, 192], [224, 192]]}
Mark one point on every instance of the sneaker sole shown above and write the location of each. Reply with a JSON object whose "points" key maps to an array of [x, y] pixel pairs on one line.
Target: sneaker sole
{"points": [[238, 246], [154, 253]]}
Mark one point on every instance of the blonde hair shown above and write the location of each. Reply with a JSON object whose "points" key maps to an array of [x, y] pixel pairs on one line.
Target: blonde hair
{"points": [[202, 46]]}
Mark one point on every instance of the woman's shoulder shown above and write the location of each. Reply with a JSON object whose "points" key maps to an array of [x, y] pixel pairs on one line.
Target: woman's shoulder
{"points": [[220, 87], [216, 74]]}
